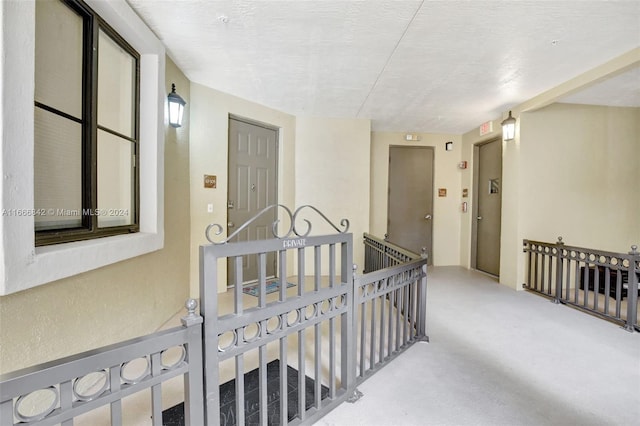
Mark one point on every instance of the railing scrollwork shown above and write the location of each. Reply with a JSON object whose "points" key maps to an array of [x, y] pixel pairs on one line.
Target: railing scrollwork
{"points": [[292, 230]]}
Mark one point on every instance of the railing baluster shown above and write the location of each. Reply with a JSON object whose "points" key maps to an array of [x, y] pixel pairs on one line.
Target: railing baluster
{"points": [[382, 325], [542, 269], [407, 310], [66, 400], [398, 306], [363, 332], [390, 325], [567, 293], [372, 343], [607, 289], [156, 391], [632, 289], [262, 279], [318, 366], [284, 390], [618, 292], [116, 406], [240, 386], [559, 264], [262, 384], [237, 293], [576, 277], [596, 286], [332, 357], [6, 412], [301, 371], [585, 283]]}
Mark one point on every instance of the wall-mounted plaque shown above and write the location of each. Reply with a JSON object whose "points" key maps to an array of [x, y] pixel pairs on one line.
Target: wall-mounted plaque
{"points": [[210, 181]]}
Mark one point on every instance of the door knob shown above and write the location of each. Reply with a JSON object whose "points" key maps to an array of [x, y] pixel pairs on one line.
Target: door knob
{"points": [[230, 225], [428, 217], [479, 218]]}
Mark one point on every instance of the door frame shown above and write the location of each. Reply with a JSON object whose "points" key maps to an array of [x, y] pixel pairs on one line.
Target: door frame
{"points": [[267, 126], [474, 199]]}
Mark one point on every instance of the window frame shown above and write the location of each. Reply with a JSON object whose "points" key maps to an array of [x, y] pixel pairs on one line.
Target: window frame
{"points": [[89, 229], [23, 265]]}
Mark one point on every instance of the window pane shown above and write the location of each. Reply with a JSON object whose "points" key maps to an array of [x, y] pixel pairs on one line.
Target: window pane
{"points": [[116, 82], [115, 181], [58, 57], [58, 171]]}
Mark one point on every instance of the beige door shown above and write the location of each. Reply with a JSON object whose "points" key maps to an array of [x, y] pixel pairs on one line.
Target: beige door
{"points": [[488, 187], [252, 187], [410, 205]]}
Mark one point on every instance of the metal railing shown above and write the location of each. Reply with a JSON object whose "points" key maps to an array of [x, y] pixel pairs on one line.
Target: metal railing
{"points": [[59, 391], [379, 254], [602, 283], [391, 313], [326, 328], [335, 327]]}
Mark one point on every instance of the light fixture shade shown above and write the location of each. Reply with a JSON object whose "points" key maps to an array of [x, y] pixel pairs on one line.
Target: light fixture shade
{"points": [[509, 128], [176, 107]]}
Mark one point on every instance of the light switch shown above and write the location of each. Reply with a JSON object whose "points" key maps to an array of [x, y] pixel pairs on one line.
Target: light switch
{"points": [[209, 208]]}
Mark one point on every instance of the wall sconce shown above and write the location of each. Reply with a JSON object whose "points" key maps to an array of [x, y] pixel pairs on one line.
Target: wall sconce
{"points": [[176, 107], [509, 128]]}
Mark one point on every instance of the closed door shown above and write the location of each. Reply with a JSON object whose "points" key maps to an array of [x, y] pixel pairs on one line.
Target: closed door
{"points": [[489, 204], [252, 187], [410, 205]]}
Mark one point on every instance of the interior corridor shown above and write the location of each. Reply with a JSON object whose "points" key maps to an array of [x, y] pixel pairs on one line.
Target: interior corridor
{"points": [[502, 357]]}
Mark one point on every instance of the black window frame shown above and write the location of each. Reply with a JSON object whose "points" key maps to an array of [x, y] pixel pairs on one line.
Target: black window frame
{"points": [[92, 24]]}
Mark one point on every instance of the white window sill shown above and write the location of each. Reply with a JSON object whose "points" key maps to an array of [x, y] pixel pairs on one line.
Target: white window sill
{"points": [[58, 261]]}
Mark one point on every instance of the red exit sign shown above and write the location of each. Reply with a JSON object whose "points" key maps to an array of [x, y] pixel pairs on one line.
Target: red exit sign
{"points": [[486, 128]]}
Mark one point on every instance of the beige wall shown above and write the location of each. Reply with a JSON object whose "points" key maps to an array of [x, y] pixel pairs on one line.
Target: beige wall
{"points": [[580, 170], [447, 216], [332, 174], [116, 302], [568, 173], [210, 111]]}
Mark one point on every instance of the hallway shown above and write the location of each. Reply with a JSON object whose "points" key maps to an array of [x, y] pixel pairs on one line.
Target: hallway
{"points": [[501, 357]]}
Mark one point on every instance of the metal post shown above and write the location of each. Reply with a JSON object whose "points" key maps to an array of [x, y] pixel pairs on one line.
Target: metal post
{"points": [[559, 248], [352, 343], [422, 301], [632, 289], [209, 312], [193, 385]]}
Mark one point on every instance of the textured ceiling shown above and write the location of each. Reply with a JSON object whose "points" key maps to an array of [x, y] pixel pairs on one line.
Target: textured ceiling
{"points": [[430, 66]]}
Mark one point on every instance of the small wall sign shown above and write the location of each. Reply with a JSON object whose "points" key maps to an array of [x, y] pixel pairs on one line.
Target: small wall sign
{"points": [[442, 192], [210, 181]]}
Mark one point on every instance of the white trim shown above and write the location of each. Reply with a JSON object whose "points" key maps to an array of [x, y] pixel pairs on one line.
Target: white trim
{"points": [[22, 265]]}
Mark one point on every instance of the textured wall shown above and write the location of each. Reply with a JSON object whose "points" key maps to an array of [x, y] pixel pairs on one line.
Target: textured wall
{"points": [[210, 111], [579, 169], [333, 173], [446, 210], [116, 302]]}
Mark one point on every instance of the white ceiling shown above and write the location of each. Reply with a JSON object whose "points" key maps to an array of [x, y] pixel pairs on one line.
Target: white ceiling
{"points": [[429, 66]]}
